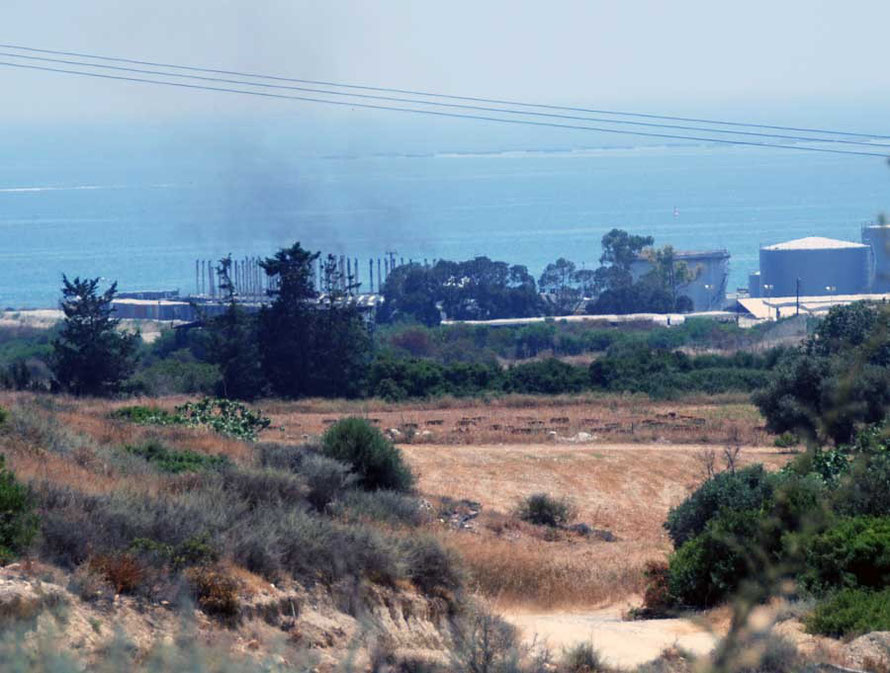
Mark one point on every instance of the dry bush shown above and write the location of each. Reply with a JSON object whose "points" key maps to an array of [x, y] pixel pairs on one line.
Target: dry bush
{"points": [[122, 571], [90, 584], [216, 591], [583, 658], [657, 600]]}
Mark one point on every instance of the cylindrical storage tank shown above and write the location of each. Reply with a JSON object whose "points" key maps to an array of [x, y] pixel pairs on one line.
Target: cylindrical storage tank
{"points": [[754, 284], [823, 266], [877, 238]]}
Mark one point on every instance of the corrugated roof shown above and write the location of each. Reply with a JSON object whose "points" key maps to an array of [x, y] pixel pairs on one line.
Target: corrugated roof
{"points": [[814, 243], [765, 308]]}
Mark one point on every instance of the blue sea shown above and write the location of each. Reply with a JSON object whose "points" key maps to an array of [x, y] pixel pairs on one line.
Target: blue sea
{"points": [[138, 203]]}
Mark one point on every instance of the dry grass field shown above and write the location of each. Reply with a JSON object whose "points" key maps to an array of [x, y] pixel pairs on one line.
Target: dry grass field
{"points": [[642, 458], [626, 489]]}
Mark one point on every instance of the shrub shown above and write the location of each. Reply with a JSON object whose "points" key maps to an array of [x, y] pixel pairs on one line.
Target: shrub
{"points": [[746, 489], [545, 377], [384, 506], [326, 478], [484, 643], [191, 552], [225, 417], [123, 571], [708, 568], [377, 463], [143, 415], [763, 653], [4, 417], [177, 376], [431, 567], [282, 456], [854, 553], [215, 592], [657, 599], [851, 612], [786, 440], [544, 510], [863, 490], [281, 542], [169, 460], [251, 489], [18, 523], [582, 658], [76, 526]]}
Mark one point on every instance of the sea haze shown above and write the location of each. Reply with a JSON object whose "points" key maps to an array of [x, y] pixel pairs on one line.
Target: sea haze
{"points": [[139, 204]]}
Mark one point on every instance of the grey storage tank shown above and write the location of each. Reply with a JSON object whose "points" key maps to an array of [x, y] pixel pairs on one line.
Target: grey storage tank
{"points": [[823, 266], [877, 238], [754, 284]]}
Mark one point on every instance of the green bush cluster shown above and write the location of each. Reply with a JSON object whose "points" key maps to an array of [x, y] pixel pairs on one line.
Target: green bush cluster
{"points": [[377, 463], [634, 367], [18, 521], [226, 417], [824, 520], [175, 461], [742, 490], [851, 612]]}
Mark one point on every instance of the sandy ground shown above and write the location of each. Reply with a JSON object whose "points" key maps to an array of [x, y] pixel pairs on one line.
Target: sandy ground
{"points": [[150, 330], [625, 644]]}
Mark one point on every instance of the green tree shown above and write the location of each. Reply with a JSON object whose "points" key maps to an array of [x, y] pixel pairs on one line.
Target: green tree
{"points": [[341, 342], [558, 280], [285, 327], [620, 250], [837, 381], [476, 289], [410, 293], [234, 347], [90, 355], [312, 345]]}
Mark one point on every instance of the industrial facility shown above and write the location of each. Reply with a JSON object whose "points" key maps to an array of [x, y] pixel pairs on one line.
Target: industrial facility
{"points": [[801, 276], [709, 270], [812, 267]]}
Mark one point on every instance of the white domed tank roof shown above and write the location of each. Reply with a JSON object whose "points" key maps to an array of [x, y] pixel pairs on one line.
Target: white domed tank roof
{"points": [[815, 243]]}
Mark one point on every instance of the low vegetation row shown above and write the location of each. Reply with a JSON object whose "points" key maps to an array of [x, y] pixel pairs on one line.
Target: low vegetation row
{"points": [[342, 510], [320, 344]]}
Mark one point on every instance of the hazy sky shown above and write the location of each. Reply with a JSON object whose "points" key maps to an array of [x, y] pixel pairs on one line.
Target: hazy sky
{"points": [[656, 55]]}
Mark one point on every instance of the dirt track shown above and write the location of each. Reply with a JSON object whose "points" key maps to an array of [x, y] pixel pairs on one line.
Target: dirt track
{"points": [[624, 644]]}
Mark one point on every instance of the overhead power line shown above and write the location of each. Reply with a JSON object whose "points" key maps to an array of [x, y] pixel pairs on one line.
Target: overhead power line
{"points": [[437, 113], [431, 94], [459, 106]]}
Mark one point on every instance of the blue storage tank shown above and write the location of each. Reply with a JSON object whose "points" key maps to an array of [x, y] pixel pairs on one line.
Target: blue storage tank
{"points": [[877, 238], [824, 266]]}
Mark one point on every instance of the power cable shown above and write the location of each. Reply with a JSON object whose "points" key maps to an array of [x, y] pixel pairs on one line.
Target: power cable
{"points": [[439, 113], [430, 94], [448, 105]]}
